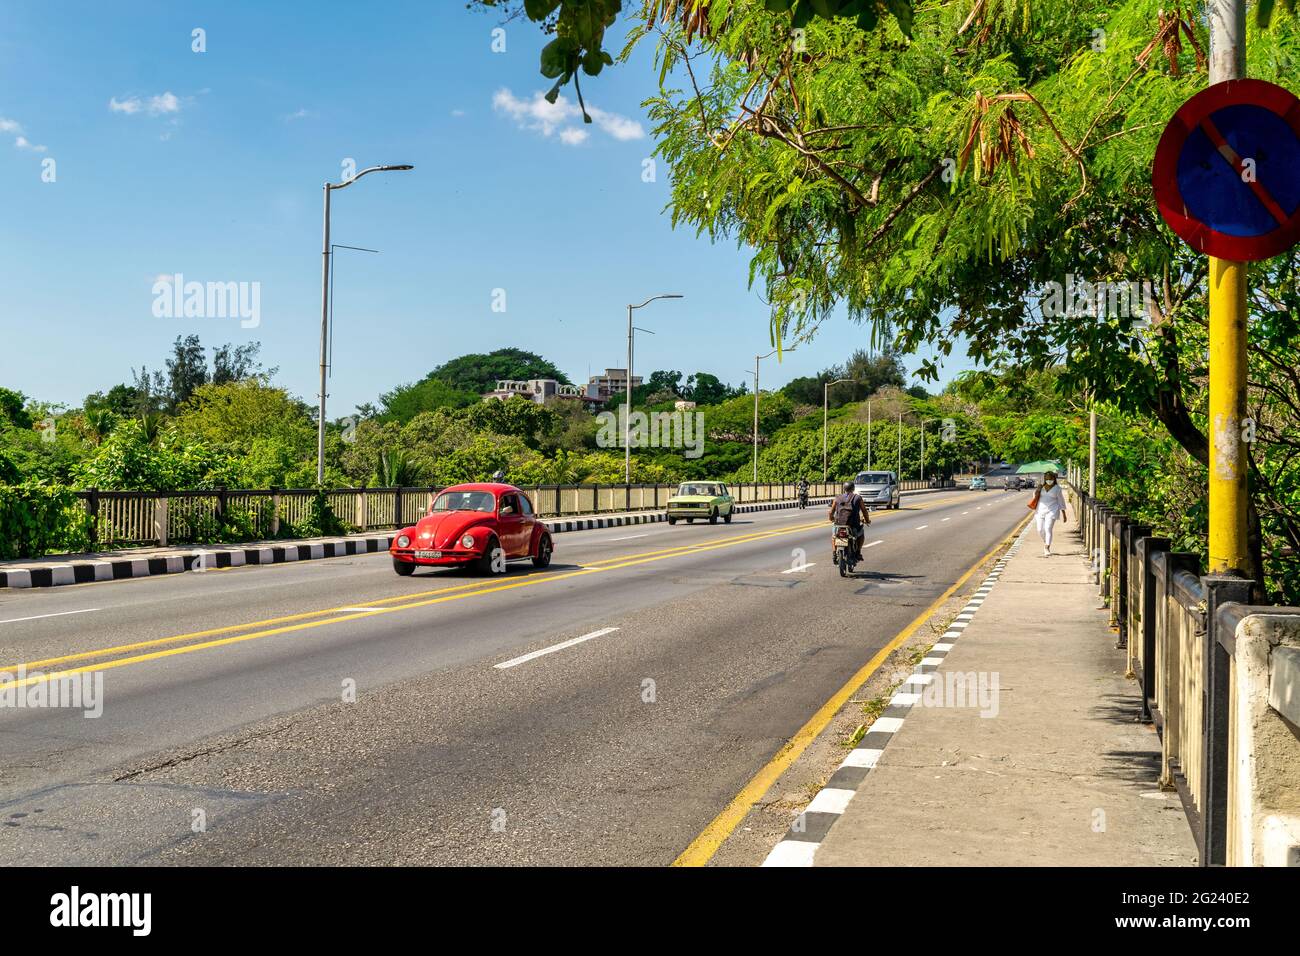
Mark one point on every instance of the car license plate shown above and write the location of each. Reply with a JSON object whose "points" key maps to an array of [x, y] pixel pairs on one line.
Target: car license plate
{"points": [[428, 554]]}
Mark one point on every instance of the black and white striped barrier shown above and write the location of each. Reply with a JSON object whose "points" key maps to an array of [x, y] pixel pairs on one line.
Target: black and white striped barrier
{"points": [[799, 846], [200, 559]]}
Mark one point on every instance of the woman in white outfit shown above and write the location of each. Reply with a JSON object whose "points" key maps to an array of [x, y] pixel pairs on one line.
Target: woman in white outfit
{"points": [[1051, 505]]}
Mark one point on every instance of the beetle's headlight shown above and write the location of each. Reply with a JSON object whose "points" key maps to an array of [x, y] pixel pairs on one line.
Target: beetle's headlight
{"points": [[467, 541], [403, 541]]}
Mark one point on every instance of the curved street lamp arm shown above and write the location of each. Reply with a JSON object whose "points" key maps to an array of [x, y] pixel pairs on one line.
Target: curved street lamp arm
{"points": [[369, 169]]}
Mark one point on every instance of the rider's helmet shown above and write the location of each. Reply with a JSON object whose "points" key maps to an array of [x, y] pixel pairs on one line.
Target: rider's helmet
{"points": [[848, 487], [498, 475]]}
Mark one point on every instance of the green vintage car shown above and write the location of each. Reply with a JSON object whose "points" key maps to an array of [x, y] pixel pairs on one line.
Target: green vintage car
{"points": [[701, 499]]}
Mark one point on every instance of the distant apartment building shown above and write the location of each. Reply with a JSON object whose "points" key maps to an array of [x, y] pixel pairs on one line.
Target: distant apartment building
{"points": [[612, 383], [540, 389]]}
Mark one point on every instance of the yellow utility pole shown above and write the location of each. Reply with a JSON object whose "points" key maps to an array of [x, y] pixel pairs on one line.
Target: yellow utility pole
{"points": [[1227, 280]]}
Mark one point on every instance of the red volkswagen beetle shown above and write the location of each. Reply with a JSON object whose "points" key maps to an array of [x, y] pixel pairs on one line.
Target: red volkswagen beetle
{"points": [[484, 525]]}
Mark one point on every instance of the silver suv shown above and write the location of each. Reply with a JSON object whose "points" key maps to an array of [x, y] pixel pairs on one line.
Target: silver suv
{"points": [[879, 489]]}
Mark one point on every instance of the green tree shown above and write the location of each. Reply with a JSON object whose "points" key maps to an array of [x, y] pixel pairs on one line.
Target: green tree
{"points": [[944, 198], [13, 408], [478, 373], [704, 388], [187, 369], [406, 401], [515, 417]]}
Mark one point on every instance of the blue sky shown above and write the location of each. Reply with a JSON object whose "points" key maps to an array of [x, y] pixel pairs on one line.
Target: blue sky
{"points": [[210, 165]]}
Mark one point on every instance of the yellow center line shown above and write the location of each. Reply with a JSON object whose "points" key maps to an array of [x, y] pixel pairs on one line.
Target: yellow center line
{"points": [[706, 844], [437, 596]]}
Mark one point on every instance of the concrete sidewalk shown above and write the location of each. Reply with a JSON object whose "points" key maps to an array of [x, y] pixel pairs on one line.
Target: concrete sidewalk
{"points": [[1061, 772]]}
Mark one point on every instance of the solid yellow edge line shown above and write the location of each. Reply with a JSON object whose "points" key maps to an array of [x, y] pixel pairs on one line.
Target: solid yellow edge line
{"points": [[704, 846]]}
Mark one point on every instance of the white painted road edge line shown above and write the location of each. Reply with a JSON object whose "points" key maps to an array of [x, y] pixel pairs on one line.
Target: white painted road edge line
{"points": [[799, 846], [37, 617], [516, 661]]}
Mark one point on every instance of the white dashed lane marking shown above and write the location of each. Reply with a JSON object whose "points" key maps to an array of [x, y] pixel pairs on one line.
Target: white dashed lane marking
{"points": [[525, 658], [37, 617]]}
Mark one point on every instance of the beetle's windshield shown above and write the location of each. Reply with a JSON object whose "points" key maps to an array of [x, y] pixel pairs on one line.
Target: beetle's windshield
{"points": [[465, 501]]}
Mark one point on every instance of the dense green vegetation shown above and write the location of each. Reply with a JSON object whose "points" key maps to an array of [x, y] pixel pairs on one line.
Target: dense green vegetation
{"points": [[194, 427]]}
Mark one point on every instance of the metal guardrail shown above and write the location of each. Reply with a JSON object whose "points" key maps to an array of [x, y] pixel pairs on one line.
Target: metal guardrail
{"points": [[141, 518], [1180, 631]]}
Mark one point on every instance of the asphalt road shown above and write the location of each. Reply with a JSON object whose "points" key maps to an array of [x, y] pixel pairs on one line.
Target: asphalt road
{"points": [[332, 712]]}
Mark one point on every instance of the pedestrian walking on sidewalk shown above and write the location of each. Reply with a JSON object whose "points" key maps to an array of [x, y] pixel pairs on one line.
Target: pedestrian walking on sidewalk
{"points": [[1048, 504]]}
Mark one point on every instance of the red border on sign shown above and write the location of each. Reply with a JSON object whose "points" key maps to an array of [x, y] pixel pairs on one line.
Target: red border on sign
{"points": [[1164, 171]]}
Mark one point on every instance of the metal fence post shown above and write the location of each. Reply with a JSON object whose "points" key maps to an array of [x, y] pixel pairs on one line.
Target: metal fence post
{"points": [[1149, 547], [92, 514], [160, 521], [1216, 663]]}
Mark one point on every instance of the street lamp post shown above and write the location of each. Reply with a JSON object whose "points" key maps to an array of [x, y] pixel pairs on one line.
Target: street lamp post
{"points": [[756, 361], [627, 411], [325, 309], [825, 406], [923, 421], [868, 434]]}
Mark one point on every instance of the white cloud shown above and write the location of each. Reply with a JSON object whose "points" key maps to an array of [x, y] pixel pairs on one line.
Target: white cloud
{"points": [[20, 141], [619, 127], [163, 103], [563, 117], [303, 113]]}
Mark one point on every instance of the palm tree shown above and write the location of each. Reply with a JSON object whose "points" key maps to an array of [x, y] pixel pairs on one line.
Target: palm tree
{"points": [[396, 469]]}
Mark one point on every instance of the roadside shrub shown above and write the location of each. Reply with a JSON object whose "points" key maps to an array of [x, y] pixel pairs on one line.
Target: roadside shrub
{"points": [[37, 518]]}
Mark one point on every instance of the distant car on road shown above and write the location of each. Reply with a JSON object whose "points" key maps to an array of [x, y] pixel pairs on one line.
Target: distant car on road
{"points": [[483, 525], [879, 489], [978, 483], [701, 499]]}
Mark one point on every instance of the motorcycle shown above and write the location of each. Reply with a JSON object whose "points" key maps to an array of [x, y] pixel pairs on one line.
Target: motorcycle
{"points": [[803, 498], [844, 552]]}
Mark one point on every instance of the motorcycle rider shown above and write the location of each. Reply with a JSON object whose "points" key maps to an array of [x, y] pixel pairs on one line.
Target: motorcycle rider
{"points": [[803, 492], [848, 508]]}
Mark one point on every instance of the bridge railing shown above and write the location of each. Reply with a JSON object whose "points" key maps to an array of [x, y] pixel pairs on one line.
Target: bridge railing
{"points": [[1220, 681], [138, 518]]}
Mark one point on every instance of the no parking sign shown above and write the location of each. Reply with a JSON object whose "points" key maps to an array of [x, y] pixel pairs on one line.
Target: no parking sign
{"points": [[1227, 171]]}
